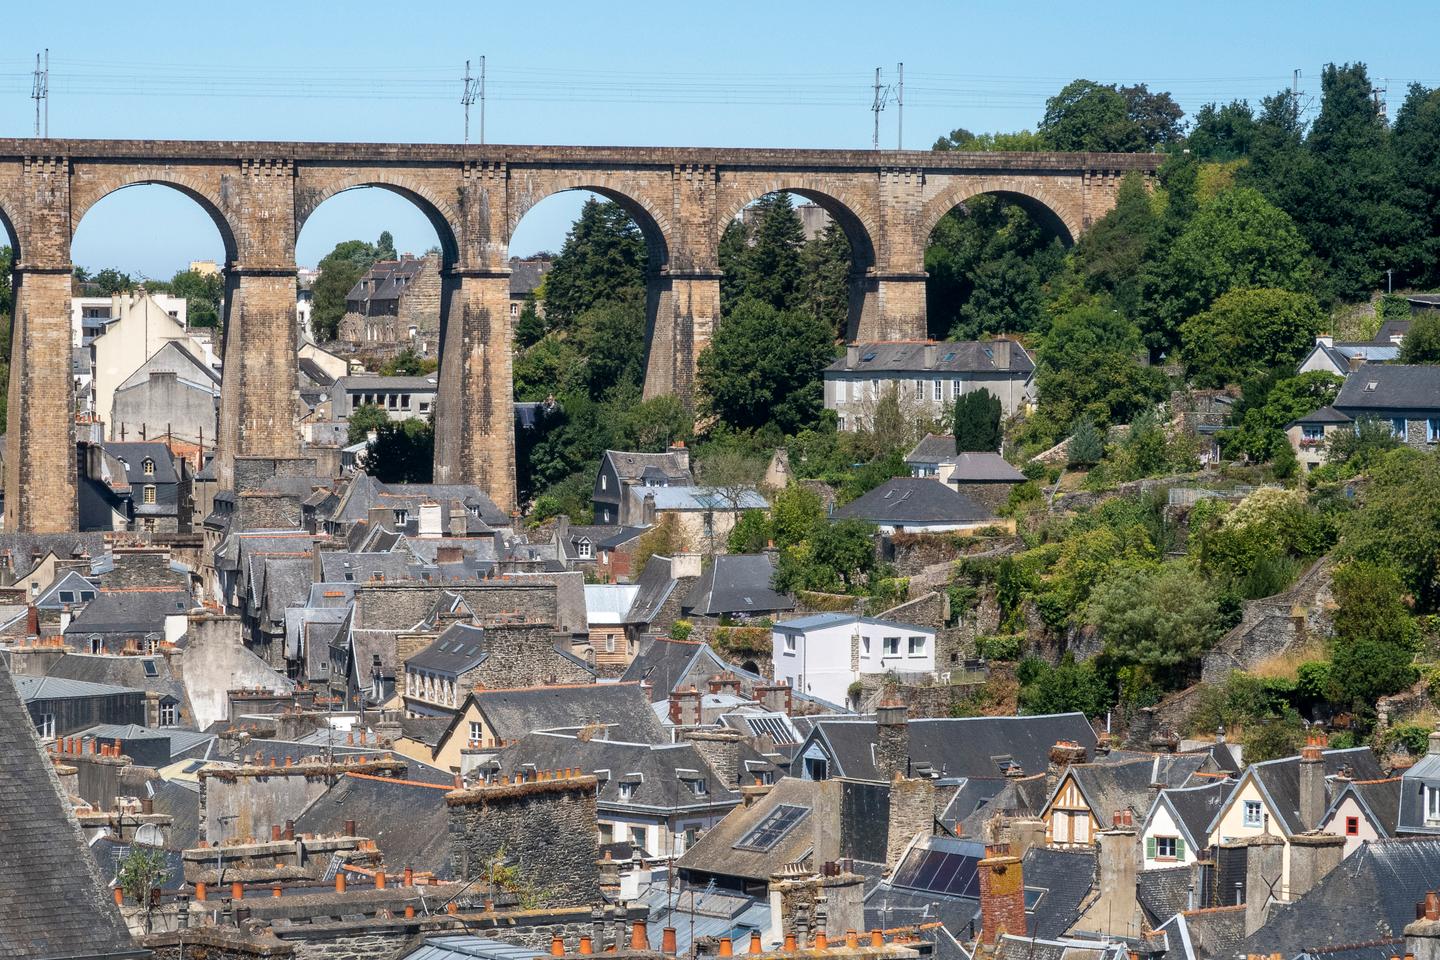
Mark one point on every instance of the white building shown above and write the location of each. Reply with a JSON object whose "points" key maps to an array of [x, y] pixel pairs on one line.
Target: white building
{"points": [[1175, 831], [141, 326], [89, 316], [824, 654]]}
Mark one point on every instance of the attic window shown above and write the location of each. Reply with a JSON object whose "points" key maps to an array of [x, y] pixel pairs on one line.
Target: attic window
{"points": [[148, 466], [67, 596], [868, 357], [948, 357], [1371, 385], [149, 666]]}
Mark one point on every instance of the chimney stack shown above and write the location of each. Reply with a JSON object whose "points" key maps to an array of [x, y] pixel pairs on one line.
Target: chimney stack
{"points": [[1062, 755], [1312, 780], [1422, 938], [852, 356], [1002, 895], [892, 747], [1001, 351]]}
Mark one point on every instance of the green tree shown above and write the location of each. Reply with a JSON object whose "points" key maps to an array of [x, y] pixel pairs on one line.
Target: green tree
{"points": [[1398, 524], [1415, 148], [750, 534], [772, 268], [1112, 256], [1158, 616], [825, 271], [1237, 239], [1359, 449], [1066, 687], [976, 422], [1020, 141], [385, 247], [407, 363], [1088, 364], [795, 514], [1370, 604], [1267, 404], [203, 293], [363, 419], [1422, 341], [1087, 443], [603, 260], [111, 281], [1090, 116], [763, 366], [340, 270], [614, 336], [142, 870], [403, 452], [845, 548], [651, 426], [529, 327], [1247, 331], [1222, 133]]}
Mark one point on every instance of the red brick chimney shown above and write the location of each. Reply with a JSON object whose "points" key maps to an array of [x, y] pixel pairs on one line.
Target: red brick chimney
{"points": [[685, 706], [1002, 895]]}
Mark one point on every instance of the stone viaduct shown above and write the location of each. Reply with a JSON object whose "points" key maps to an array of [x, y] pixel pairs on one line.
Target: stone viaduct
{"points": [[260, 195]]}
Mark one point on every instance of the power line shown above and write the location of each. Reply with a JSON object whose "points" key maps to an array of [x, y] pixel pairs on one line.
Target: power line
{"points": [[40, 93]]}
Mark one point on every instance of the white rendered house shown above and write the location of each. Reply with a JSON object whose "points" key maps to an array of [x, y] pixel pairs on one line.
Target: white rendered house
{"points": [[823, 654]]}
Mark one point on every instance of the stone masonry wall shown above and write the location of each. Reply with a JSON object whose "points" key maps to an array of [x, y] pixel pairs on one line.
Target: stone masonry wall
{"points": [[546, 826]]}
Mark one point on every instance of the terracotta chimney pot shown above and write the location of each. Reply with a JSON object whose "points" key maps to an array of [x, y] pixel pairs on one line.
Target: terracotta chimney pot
{"points": [[821, 942], [586, 947], [639, 938], [727, 948], [119, 897], [340, 881], [557, 947], [409, 911], [275, 890], [237, 891], [755, 946], [852, 940], [379, 879], [877, 939], [789, 943]]}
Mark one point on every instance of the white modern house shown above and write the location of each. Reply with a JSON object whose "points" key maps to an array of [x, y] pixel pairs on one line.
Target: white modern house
{"points": [[825, 653]]}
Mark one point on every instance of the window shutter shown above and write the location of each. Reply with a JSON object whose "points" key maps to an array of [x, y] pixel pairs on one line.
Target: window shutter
{"points": [[1150, 848], [1180, 848]]}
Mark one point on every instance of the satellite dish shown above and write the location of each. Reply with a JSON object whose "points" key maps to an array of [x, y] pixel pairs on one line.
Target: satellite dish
{"points": [[150, 835]]}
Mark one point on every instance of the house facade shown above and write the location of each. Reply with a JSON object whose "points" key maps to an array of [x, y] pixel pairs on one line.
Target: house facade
{"points": [[395, 304], [621, 470], [400, 397], [824, 654], [927, 377], [1405, 397]]}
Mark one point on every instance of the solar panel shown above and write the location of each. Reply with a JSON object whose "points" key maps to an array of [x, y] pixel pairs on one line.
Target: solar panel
{"points": [[773, 726], [940, 871], [776, 824]]}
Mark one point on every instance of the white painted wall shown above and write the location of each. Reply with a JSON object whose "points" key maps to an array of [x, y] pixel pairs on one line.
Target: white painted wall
{"points": [[823, 661]]}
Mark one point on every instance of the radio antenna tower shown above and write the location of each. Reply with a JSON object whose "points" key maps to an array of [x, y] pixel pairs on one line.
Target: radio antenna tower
{"points": [[474, 90], [40, 93]]}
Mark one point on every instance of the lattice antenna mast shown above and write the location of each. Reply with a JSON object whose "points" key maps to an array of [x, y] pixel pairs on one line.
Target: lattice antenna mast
{"points": [[900, 109], [40, 93], [882, 97]]}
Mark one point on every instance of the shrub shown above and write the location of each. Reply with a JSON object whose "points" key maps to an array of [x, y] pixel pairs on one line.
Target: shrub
{"points": [[1000, 647], [681, 630]]}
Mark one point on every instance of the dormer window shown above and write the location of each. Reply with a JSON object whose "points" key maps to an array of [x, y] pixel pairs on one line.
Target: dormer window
{"points": [[700, 787], [148, 466], [584, 550], [627, 791]]}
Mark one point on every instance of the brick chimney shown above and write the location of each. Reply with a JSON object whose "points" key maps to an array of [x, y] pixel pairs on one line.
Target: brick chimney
{"points": [[1312, 781], [775, 697], [852, 356], [1422, 938], [680, 454], [1002, 895], [685, 707]]}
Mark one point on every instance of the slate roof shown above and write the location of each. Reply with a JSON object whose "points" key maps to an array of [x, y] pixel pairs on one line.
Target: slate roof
{"points": [[1280, 780], [1194, 808], [629, 465], [62, 688], [1326, 414], [460, 647], [387, 279], [1340, 353], [656, 583], [1395, 387], [1164, 892], [653, 770], [951, 356], [70, 582], [469, 947], [419, 838], [984, 468], [664, 663], [696, 497], [126, 672], [736, 583], [1110, 787], [24, 549], [1398, 328], [933, 448], [427, 730], [53, 902], [129, 611], [181, 802], [133, 455], [818, 621], [623, 707], [526, 274], [1380, 798], [955, 747], [913, 501], [1371, 895], [715, 852]]}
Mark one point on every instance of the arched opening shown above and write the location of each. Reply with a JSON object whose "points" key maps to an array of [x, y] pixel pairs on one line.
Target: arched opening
{"points": [[588, 290], [989, 257], [9, 258], [799, 249], [147, 314], [374, 289]]}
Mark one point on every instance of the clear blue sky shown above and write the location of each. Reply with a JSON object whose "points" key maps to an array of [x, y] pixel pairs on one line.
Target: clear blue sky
{"points": [[794, 74]]}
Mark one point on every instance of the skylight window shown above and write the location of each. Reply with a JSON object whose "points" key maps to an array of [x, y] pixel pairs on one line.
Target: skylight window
{"points": [[769, 831], [868, 357], [1371, 386], [149, 666], [948, 357]]}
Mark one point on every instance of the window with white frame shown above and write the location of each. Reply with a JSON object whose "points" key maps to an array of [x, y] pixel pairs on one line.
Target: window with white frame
{"points": [[167, 714], [892, 647], [584, 550], [477, 731], [700, 787], [917, 646], [865, 646], [1254, 814], [1432, 806], [939, 388], [46, 726], [148, 467], [1165, 848], [789, 643], [637, 837]]}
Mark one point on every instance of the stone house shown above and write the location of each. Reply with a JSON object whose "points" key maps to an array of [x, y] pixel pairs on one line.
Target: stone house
{"points": [[1342, 357], [1406, 397], [1420, 793], [917, 505], [402, 398], [160, 486], [466, 657], [526, 276], [702, 517], [128, 622], [621, 470], [986, 478], [395, 304], [140, 329], [927, 377]]}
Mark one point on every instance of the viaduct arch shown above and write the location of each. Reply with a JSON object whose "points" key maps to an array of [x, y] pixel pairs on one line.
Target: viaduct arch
{"points": [[260, 193]]}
